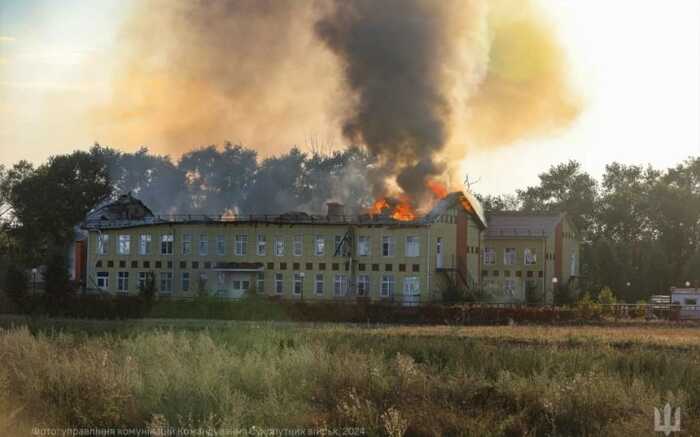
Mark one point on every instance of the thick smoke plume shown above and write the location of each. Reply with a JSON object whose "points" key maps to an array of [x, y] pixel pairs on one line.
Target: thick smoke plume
{"points": [[393, 57], [417, 83]]}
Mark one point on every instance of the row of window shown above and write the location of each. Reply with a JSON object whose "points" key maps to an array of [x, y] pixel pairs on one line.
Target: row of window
{"points": [[195, 265], [510, 256], [341, 247], [509, 288], [508, 273], [341, 285]]}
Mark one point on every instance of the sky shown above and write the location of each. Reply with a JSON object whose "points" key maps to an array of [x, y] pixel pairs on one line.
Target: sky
{"points": [[634, 63]]}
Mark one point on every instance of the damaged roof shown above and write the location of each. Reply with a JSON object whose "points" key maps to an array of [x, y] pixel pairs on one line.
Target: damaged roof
{"points": [[512, 224], [465, 199]]}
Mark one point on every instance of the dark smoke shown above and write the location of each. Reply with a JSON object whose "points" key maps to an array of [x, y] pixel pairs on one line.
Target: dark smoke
{"points": [[391, 53]]}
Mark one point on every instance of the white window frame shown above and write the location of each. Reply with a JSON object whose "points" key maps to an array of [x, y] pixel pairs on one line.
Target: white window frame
{"points": [[241, 244], [124, 244], [145, 244], [363, 285], [412, 246], [260, 282], [279, 246], [340, 285], [166, 283], [510, 287], [319, 284], [221, 282], [298, 245], [387, 286], [123, 282], [187, 244], [364, 245], [220, 245], [510, 256], [261, 246], [388, 246], [102, 244], [279, 283], [298, 288], [167, 241], [531, 254], [489, 256], [143, 277], [103, 280], [319, 245], [203, 247]]}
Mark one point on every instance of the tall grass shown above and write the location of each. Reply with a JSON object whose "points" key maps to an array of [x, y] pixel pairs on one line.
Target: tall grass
{"points": [[285, 377]]}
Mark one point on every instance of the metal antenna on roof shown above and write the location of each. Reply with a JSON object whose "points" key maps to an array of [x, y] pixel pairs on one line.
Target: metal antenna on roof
{"points": [[469, 183]]}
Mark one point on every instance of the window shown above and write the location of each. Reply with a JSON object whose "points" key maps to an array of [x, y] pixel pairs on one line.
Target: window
{"points": [[241, 248], [298, 282], [220, 245], [412, 246], [510, 287], [124, 247], [530, 256], [510, 256], [279, 283], [691, 302], [572, 263], [203, 280], [387, 246], [185, 281], [166, 244], [103, 280], [320, 245], [341, 246], [261, 247], [203, 244], [123, 282], [489, 256], [298, 245], [340, 285], [318, 287], [279, 246], [143, 280], [145, 244], [187, 244], [411, 290], [102, 244], [221, 282], [363, 245], [166, 282], [260, 282], [363, 285], [387, 288]]}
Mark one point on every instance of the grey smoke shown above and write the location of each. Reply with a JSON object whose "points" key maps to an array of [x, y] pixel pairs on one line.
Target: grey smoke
{"points": [[391, 54]]}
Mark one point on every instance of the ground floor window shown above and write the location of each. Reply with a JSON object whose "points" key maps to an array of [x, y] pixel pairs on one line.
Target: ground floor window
{"points": [[185, 281], [340, 285], [318, 289], [298, 283], [411, 290], [221, 282], [166, 282], [103, 280], [363, 285], [387, 287], [279, 283], [510, 287], [260, 282], [123, 282]]}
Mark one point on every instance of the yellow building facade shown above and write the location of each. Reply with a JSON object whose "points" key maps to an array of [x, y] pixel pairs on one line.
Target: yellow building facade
{"points": [[539, 251], [291, 256]]}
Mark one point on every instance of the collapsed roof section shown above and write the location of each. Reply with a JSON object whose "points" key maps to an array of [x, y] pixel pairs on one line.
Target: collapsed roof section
{"points": [[129, 212]]}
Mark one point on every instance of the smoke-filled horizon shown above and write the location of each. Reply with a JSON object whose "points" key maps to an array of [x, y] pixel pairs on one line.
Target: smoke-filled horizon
{"points": [[416, 83]]}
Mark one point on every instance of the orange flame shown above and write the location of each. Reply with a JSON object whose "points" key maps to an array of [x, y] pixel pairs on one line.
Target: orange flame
{"points": [[228, 215], [439, 190], [378, 206], [404, 210]]}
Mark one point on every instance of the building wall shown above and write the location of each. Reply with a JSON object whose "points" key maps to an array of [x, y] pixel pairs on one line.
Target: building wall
{"points": [[494, 276], [374, 265]]}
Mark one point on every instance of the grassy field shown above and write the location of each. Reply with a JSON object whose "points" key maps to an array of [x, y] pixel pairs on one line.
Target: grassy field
{"points": [[228, 376]]}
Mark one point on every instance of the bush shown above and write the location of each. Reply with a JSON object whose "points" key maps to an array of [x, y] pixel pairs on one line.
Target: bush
{"points": [[58, 285], [532, 293], [587, 308], [606, 297], [16, 284]]}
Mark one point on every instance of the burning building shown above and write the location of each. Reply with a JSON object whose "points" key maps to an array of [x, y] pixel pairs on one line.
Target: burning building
{"points": [[389, 253]]}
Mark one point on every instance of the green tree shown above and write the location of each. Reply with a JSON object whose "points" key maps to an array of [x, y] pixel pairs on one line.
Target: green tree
{"points": [[16, 283], [57, 281]]}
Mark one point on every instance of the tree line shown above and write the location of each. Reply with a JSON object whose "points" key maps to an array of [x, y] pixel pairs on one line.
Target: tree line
{"points": [[640, 226]]}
